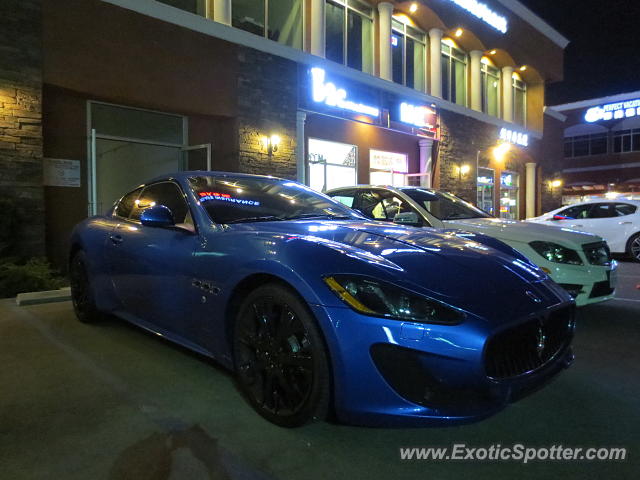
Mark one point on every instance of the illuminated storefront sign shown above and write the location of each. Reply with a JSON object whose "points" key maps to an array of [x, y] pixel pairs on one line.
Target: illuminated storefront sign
{"points": [[613, 111], [484, 13], [482, 180], [329, 94], [389, 161], [225, 197], [420, 117], [516, 138]]}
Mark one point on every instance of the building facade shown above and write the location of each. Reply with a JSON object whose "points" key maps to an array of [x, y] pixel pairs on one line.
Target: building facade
{"points": [[439, 93], [601, 147]]}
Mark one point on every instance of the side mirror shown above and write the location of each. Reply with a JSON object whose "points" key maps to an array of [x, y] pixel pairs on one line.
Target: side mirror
{"points": [[408, 218], [157, 216], [558, 217]]}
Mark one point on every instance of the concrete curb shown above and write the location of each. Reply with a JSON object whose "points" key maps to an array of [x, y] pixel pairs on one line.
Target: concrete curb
{"points": [[37, 298]]}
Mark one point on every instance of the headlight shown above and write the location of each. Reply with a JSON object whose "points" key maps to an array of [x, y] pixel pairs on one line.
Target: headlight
{"points": [[556, 253], [598, 254], [381, 299]]}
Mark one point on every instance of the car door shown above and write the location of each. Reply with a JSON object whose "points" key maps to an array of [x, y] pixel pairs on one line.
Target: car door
{"points": [[626, 223], [601, 221], [152, 268]]}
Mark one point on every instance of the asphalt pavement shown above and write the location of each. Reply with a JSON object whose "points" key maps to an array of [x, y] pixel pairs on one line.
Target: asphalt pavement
{"points": [[112, 401]]}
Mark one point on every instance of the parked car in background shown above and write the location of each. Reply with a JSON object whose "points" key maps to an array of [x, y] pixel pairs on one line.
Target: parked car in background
{"points": [[316, 308], [618, 222], [580, 262]]}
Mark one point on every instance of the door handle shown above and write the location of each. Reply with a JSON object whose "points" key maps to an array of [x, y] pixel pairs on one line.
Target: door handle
{"points": [[625, 223], [575, 225], [116, 239]]}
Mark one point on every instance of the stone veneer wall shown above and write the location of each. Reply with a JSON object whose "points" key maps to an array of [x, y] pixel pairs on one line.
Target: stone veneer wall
{"points": [[267, 105], [21, 118]]}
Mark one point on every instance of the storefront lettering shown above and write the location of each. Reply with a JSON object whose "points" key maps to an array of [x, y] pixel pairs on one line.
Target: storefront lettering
{"points": [[484, 13], [516, 138], [417, 116], [613, 111], [329, 94]]}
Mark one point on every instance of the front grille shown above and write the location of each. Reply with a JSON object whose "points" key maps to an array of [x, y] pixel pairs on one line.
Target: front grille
{"points": [[598, 253], [573, 290], [601, 289], [529, 346]]}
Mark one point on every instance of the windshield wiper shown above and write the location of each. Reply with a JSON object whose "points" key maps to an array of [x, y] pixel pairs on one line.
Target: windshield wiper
{"points": [[266, 218], [318, 215]]}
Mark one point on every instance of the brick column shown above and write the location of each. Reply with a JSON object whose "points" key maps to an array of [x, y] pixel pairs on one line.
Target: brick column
{"points": [[21, 119]]}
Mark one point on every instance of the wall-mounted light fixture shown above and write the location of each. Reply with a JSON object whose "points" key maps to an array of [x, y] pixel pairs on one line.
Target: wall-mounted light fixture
{"points": [[270, 144], [413, 8], [553, 184], [459, 32], [500, 152], [463, 170]]}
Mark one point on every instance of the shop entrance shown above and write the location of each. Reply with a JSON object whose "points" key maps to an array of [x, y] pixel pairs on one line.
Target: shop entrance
{"points": [[128, 146], [331, 164]]}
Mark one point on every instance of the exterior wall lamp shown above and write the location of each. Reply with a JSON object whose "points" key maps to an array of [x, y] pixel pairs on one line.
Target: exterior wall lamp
{"points": [[553, 184], [270, 144], [463, 170]]}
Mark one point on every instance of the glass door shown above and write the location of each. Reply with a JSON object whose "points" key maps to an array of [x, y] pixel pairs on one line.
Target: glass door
{"points": [[196, 157]]}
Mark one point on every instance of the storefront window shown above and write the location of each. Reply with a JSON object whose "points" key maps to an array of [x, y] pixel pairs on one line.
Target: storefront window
{"points": [[283, 19], [193, 6], [454, 74], [509, 190], [490, 90], [331, 164], [626, 141], [388, 168], [486, 190], [519, 100], [408, 51], [585, 145], [349, 34]]}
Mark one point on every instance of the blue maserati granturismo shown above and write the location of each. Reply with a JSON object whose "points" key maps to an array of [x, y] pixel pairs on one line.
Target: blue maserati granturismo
{"points": [[319, 311]]}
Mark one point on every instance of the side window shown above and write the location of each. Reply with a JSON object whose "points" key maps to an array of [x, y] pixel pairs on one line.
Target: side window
{"points": [[125, 205], [623, 209], [382, 205], [345, 197], [601, 210], [575, 212], [167, 194]]}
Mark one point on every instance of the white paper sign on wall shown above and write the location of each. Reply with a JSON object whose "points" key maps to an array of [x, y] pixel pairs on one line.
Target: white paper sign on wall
{"points": [[61, 173]]}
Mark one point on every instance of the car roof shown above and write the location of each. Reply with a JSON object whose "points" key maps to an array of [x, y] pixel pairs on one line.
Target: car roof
{"points": [[206, 173], [605, 200]]}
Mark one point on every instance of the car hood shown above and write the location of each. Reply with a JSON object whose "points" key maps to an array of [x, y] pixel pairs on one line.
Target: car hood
{"points": [[525, 232], [452, 268]]}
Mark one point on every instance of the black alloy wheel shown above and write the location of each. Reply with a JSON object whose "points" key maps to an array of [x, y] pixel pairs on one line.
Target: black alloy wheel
{"points": [[280, 357], [634, 247], [83, 302]]}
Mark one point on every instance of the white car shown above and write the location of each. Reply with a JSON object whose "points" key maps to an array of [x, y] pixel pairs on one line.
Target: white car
{"points": [[617, 221], [579, 262]]}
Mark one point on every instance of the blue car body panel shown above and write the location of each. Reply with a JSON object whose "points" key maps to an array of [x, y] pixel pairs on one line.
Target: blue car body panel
{"points": [[180, 285]]}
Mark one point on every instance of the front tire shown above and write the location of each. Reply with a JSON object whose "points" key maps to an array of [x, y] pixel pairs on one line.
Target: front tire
{"points": [[280, 358], [84, 304], [633, 247]]}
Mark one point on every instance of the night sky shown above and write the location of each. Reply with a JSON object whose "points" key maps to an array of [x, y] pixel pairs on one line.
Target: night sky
{"points": [[603, 57]]}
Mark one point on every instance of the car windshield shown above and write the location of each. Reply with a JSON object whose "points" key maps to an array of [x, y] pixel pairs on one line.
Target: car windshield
{"points": [[229, 199], [444, 206]]}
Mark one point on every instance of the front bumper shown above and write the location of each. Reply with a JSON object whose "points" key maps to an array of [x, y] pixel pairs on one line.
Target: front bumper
{"points": [[391, 373]]}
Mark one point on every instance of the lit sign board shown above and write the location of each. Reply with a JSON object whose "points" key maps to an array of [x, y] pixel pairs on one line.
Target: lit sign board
{"points": [[389, 161], [484, 13], [516, 138], [485, 180], [329, 94], [417, 116], [611, 111]]}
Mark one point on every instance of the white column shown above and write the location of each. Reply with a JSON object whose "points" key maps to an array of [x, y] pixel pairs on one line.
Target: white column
{"points": [[531, 185], [222, 11], [425, 147], [476, 79], [301, 118], [507, 94], [386, 67], [435, 61], [317, 28]]}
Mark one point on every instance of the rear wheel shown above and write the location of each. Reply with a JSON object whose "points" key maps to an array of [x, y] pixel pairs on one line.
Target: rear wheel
{"points": [[633, 248], [280, 357], [84, 304]]}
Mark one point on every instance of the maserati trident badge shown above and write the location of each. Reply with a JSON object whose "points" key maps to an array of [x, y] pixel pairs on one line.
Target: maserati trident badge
{"points": [[542, 340]]}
